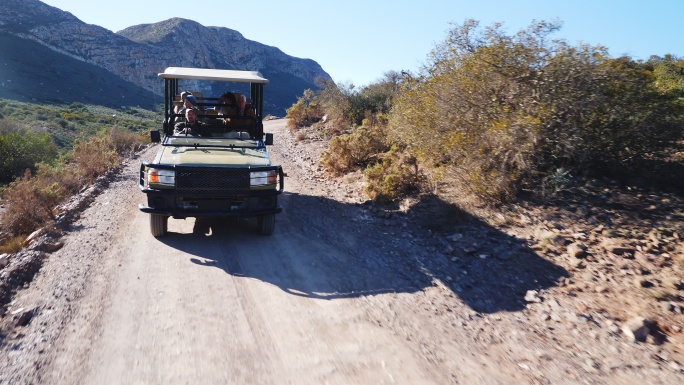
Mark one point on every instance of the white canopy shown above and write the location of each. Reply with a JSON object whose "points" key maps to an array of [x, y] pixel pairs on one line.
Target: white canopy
{"points": [[213, 75]]}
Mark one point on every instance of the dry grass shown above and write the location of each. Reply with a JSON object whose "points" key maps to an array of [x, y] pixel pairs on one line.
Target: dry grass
{"points": [[13, 245], [301, 135]]}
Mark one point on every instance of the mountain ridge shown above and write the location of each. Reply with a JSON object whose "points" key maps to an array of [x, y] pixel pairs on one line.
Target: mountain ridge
{"points": [[138, 53]]}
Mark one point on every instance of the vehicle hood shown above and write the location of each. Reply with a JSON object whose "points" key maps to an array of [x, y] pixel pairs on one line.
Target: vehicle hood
{"points": [[227, 157]]}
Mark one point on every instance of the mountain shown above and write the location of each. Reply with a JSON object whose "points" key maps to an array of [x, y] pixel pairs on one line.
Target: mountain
{"points": [[194, 45], [138, 53], [35, 73]]}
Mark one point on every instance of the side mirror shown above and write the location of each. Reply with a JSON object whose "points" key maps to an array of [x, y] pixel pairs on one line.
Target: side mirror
{"points": [[155, 136], [269, 139]]}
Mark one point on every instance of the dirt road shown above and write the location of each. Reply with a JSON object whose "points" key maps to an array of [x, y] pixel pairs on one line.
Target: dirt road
{"points": [[336, 296], [213, 302]]}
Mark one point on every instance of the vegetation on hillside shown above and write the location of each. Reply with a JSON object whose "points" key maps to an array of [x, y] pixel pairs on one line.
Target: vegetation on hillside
{"points": [[35, 133], [497, 115], [66, 122], [31, 200], [50, 152]]}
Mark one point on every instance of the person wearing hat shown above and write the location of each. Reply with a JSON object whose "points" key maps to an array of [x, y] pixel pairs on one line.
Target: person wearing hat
{"points": [[189, 101], [191, 98]]}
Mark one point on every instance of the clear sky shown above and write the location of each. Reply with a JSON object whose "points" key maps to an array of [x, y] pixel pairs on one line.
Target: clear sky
{"points": [[357, 41]]}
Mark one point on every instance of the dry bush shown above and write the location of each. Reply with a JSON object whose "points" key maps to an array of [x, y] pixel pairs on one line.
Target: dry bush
{"points": [[305, 112], [396, 174], [93, 157], [30, 203], [350, 152], [300, 136], [31, 200], [506, 112], [126, 142], [62, 173]]}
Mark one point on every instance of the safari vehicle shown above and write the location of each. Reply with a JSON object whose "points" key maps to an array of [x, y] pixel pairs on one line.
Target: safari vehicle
{"points": [[226, 172]]}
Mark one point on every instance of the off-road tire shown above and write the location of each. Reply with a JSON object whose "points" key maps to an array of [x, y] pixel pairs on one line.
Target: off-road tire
{"points": [[158, 225], [266, 224]]}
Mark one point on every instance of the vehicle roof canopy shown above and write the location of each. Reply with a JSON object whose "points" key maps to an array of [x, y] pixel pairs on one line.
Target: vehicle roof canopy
{"points": [[213, 75]]}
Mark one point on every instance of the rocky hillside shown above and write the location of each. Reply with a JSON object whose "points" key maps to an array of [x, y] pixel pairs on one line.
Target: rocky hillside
{"points": [[138, 53], [192, 44], [36, 74]]}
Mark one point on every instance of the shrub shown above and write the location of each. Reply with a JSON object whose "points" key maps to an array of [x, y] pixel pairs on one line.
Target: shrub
{"points": [[349, 152], [126, 142], [395, 174], [93, 156], [503, 113], [305, 112], [30, 200], [61, 172], [13, 244], [21, 148], [30, 203], [343, 105], [300, 136]]}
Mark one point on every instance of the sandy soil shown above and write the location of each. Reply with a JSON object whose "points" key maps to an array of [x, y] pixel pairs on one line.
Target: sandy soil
{"points": [[342, 293]]}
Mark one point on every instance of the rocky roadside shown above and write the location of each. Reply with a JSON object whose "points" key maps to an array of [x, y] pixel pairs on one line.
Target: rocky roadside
{"points": [[17, 270], [597, 273]]}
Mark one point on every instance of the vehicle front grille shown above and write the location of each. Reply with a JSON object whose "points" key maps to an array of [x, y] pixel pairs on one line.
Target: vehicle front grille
{"points": [[212, 182]]}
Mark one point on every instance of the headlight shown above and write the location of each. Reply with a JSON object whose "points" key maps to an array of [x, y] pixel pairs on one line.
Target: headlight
{"points": [[262, 178], [162, 177]]}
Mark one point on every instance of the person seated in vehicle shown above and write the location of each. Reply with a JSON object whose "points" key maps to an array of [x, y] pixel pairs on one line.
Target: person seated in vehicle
{"points": [[243, 110], [191, 126], [189, 101], [228, 105]]}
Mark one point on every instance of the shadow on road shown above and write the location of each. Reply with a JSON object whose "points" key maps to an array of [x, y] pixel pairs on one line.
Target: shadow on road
{"points": [[326, 249]]}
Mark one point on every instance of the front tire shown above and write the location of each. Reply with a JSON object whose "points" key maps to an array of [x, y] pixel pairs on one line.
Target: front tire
{"points": [[266, 224], [158, 225]]}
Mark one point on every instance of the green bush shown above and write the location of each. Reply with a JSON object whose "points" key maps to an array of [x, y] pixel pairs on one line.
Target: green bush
{"points": [[21, 149]]}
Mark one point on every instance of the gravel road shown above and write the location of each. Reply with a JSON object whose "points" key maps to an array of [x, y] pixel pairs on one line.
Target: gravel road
{"points": [[339, 294]]}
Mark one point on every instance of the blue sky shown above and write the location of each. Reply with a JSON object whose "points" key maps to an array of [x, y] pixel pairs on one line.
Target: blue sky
{"points": [[358, 41]]}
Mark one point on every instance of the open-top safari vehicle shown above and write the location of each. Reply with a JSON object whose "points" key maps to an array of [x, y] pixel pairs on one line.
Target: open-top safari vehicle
{"points": [[225, 171]]}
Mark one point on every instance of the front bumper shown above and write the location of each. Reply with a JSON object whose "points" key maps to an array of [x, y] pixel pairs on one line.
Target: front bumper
{"points": [[211, 197]]}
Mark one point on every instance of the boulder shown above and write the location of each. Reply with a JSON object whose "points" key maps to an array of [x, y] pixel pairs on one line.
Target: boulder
{"points": [[576, 250], [637, 329]]}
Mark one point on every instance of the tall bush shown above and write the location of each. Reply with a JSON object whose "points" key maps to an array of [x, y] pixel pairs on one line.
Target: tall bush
{"points": [[306, 111], [21, 149], [504, 112]]}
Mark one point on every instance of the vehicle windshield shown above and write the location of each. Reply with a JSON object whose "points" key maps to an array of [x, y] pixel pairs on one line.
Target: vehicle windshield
{"points": [[189, 140]]}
